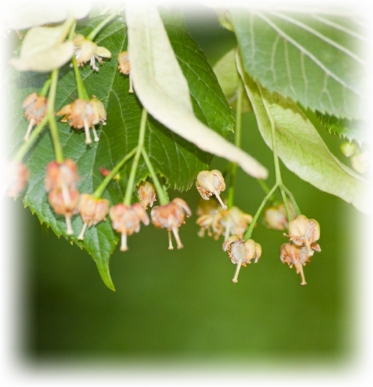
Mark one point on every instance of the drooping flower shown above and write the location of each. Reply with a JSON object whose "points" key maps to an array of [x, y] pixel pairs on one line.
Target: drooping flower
{"points": [[305, 232], [92, 211], [146, 194], [124, 66], [16, 178], [241, 252], [84, 114], [295, 256], [35, 108], [211, 183], [65, 203], [86, 50], [126, 220], [235, 222], [276, 218], [61, 181], [171, 216]]}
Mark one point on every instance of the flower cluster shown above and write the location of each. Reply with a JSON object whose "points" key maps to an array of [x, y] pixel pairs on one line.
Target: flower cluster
{"points": [[61, 184], [84, 114], [217, 220], [303, 235]]}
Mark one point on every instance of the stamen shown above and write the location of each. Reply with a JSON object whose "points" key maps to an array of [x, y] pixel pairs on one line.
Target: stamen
{"points": [[238, 268], [176, 234], [170, 247], [302, 275], [96, 138], [87, 134], [123, 244], [81, 235], [227, 229], [93, 63], [220, 201], [69, 229], [131, 88], [29, 129]]}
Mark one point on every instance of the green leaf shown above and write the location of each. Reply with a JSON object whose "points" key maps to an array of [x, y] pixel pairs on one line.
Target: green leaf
{"points": [[174, 158], [314, 59], [229, 79], [349, 129], [163, 90], [301, 148]]}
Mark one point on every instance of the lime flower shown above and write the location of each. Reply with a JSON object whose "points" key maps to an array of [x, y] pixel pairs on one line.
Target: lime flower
{"points": [[146, 194], [241, 252], [304, 232], [126, 220], [84, 114], [124, 66], [35, 107], [275, 217], [209, 183], [16, 178], [171, 216], [61, 175], [60, 182], [92, 211], [216, 221], [295, 256], [65, 203], [86, 50]]}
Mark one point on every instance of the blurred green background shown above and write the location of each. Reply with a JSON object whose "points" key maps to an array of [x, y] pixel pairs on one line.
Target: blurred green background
{"points": [[182, 304]]}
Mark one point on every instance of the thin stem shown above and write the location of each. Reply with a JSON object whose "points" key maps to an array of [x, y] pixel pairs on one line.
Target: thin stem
{"points": [[292, 199], [82, 92], [265, 187], [94, 32], [72, 31], [158, 186], [26, 146], [45, 88], [50, 113], [237, 142], [101, 188], [131, 179], [259, 210]]}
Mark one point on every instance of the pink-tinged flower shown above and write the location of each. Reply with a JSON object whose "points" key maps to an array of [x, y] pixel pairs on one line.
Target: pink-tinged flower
{"points": [[86, 50], [16, 178], [62, 176], [241, 252], [65, 203], [305, 232], [276, 218], [171, 216], [84, 114], [92, 211], [217, 221], [211, 183], [126, 220], [146, 194], [35, 108], [295, 256]]}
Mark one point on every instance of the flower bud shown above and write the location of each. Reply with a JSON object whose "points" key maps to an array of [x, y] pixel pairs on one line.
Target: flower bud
{"points": [[146, 194], [348, 148], [361, 162], [209, 183]]}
